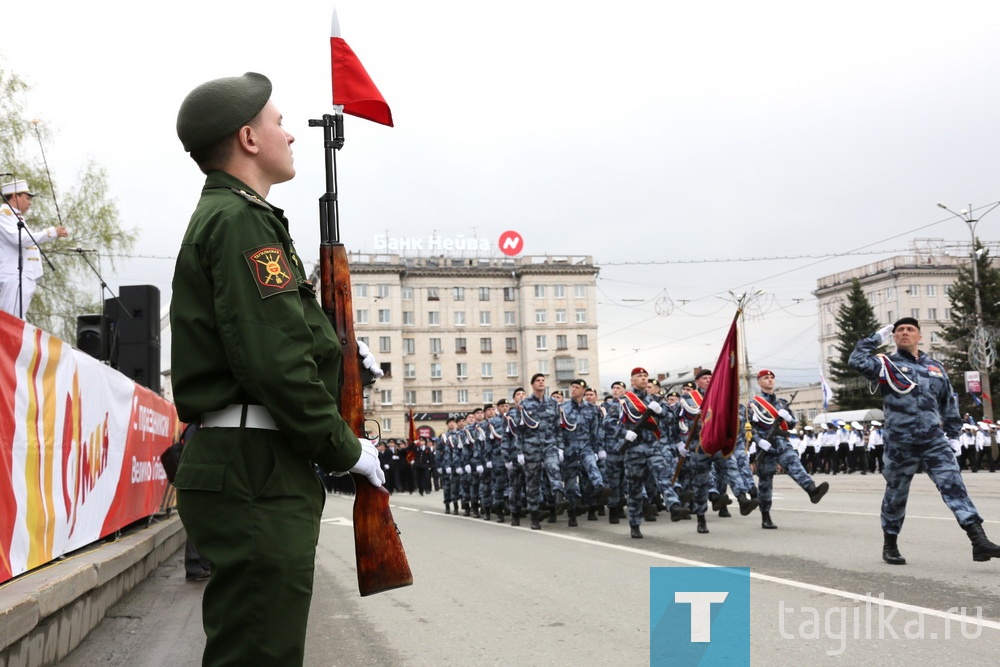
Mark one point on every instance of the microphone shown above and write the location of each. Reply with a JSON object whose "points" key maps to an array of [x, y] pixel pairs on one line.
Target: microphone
{"points": [[6, 173], [83, 250]]}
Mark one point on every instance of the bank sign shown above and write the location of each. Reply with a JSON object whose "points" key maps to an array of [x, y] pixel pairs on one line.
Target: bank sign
{"points": [[510, 243]]}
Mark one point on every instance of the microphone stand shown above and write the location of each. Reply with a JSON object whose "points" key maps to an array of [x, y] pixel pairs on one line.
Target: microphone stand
{"points": [[22, 229]]}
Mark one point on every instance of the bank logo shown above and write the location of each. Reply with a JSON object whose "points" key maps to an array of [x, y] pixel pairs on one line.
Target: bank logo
{"points": [[511, 243], [699, 616]]}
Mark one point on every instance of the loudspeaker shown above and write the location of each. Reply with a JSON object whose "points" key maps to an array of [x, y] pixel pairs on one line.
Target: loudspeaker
{"points": [[141, 362], [140, 321], [93, 335]]}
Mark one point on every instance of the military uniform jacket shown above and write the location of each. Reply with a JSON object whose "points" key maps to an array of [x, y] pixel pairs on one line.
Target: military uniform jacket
{"points": [[539, 425], [246, 326], [581, 426], [919, 402], [761, 421], [8, 245]]}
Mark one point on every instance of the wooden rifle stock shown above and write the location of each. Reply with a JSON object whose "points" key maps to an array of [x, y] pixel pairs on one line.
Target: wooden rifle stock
{"points": [[379, 553]]}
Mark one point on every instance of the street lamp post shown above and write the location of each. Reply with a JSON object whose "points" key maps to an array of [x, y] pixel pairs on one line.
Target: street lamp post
{"points": [[979, 355]]}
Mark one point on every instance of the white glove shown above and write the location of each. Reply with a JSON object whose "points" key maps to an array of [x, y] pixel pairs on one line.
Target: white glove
{"points": [[386, 466], [439, 471], [509, 465], [763, 445], [786, 415], [368, 360], [367, 464], [468, 468], [480, 469], [395, 458], [458, 470], [885, 333], [459, 445], [655, 407], [489, 465], [561, 455], [601, 455], [630, 436], [520, 459], [447, 470], [682, 449], [956, 446]]}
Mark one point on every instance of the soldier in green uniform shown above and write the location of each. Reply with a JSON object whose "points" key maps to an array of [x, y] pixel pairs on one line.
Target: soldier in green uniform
{"points": [[256, 362]]}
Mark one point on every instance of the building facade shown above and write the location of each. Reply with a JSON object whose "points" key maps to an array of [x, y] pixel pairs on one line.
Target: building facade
{"points": [[454, 333]]}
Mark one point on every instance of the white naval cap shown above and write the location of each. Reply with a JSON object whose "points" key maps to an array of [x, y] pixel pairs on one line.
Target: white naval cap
{"points": [[876, 423], [856, 425], [16, 187]]}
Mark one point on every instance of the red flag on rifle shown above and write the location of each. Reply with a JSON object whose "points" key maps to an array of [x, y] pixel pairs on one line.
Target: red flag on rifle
{"points": [[352, 87], [720, 409]]}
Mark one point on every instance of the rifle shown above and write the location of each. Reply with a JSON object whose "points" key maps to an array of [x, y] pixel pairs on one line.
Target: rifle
{"points": [[381, 561], [776, 426], [642, 422]]}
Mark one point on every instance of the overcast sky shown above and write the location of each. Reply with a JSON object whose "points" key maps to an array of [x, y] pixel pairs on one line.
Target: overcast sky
{"points": [[643, 134]]}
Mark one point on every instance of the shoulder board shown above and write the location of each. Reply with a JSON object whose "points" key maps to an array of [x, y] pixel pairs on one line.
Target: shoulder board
{"points": [[252, 198]]}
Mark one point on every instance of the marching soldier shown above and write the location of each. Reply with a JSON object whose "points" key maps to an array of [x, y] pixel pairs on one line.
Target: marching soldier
{"points": [[614, 463], [581, 424], [540, 440], [516, 498]]}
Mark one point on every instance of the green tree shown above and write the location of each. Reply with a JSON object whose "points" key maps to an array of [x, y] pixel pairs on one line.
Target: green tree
{"points": [[855, 320], [958, 333], [86, 207]]}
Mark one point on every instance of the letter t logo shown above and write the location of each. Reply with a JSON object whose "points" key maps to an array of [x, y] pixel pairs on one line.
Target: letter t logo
{"points": [[701, 611]]}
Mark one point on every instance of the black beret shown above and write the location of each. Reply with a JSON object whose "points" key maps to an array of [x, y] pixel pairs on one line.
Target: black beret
{"points": [[906, 320], [217, 108], [703, 372]]}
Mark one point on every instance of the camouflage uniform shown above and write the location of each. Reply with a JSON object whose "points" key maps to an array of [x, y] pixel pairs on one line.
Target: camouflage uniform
{"points": [[581, 428], [643, 459], [781, 450], [539, 440], [614, 463]]}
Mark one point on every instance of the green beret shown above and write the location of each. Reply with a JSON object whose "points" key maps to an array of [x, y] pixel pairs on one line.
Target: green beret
{"points": [[217, 108]]}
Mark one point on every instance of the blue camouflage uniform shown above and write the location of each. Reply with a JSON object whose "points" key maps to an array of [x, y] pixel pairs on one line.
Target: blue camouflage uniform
{"points": [[643, 459], [921, 415], [510, 446], [580, 431], [781, 450], [498, 474], [539, 440], [614, 463]]}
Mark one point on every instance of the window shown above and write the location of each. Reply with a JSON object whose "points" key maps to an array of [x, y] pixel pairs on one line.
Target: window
{"points": [[484, 293], [463, 396], [486, 345], [432, 294], [581, 342], [487, 369], [913, 290], [366, 402], [460, 346], [408, 318], [433, 318], [361, 291], [561, 342], [462, 370], [509, 318], [540, 317], [829, 329], [458, 293], [436, 371], [559, 291], [932, 290], [459, 318], [406, 293], [543, 366], [386, 367], [385, 344], [890, 293], [410, 397], [510, 344], [385, 396], [437, 397], [361, 316], [409, 346], [484, 318], [583, 366], [384, 316], [560, 316], [934, 337], [410, 371], [890, 318], [363, 339], [435, 346], [387, 423], [541, 343], [539, 291], [580, 291], [512, 369], [932, 313], [382, 291], [830, 349], [915, 313], [581, 315], [487, 396], [947, 314], [508, 293]]}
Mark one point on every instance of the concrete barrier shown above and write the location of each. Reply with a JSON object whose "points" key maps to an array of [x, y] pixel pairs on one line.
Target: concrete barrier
{"points": [[45, 614]]}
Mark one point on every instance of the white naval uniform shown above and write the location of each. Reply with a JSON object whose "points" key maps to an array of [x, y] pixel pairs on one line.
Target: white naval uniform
{"points": [[8, 260]]}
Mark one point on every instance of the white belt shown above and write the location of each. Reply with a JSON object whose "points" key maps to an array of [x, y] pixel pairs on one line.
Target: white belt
{"points": [[232, 417]]}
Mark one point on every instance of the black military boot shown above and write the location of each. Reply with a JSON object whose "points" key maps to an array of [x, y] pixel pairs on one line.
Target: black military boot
{"points": [[702, 524], [466, 508], [560, 503], [500, 518], [982, 548], [515, 518], [447, 508], [600, 511], [679, 512], [816, 493], [592, 514], [552, 516], [572, 521], [613, 515], [455, 507], [724, 513], [719, 500], [636, 533], [753, 492], [890, 552], [536, 520], [747, 505], [486, 513], [601, 493], [649, 512], [765, 521], [475, 510]]}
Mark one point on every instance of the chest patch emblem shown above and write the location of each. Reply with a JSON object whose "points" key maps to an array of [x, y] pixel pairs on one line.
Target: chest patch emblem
{"points": [[270, 270]]}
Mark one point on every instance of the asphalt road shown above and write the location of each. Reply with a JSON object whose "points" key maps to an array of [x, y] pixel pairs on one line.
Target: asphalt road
{"points": [[489, 594]]}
